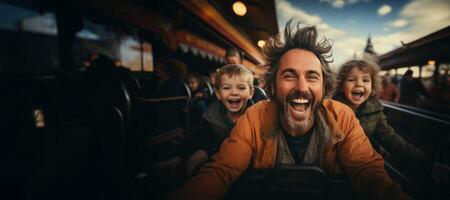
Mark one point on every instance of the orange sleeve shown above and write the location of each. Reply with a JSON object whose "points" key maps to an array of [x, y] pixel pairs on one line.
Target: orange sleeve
{"points": [[227, 165], [363, 164]]}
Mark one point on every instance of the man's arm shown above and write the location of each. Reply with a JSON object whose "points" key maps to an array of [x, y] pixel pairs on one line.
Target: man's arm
{"points": [[364, 166], [227, 165], [396, 144]]}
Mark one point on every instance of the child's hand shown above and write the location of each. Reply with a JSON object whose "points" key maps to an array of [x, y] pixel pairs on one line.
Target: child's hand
{"points": [[198, 95]]}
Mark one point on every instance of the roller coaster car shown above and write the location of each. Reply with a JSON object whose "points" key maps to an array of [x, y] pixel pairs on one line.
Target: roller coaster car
{"points": [[291, 182]]}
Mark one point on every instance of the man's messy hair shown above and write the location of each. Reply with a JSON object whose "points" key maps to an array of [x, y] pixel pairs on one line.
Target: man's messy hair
{"points": [[297, 37]]}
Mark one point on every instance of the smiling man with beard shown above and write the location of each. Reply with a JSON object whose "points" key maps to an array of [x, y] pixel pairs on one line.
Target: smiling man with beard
{"points": [[300, 125]]}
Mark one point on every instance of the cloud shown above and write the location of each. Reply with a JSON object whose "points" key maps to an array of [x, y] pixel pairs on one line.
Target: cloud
{"points": [[344, 49], [384, 10], [340, 3], [399, 23], [426, 16], [288, 11], [422, 17]]}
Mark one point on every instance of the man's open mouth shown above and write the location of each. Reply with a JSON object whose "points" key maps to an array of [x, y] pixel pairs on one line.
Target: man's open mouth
{"points": [[300, 104]]}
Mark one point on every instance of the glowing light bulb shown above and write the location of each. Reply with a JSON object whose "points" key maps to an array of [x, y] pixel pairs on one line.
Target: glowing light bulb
{"points": [[239, 8], [261, 43]]}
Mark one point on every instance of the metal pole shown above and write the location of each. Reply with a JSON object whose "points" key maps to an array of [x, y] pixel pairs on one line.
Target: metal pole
{"points": [[141, 41]]}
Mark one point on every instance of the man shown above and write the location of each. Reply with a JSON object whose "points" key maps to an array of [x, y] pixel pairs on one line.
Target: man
{"points": [[233, 57], [297, 127]]}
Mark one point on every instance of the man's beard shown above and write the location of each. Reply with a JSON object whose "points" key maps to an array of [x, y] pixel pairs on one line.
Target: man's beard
{"points": [[305, 125]]}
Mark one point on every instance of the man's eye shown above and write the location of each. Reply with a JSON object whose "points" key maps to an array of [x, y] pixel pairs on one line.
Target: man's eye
{"points": [[288, 76], [313, 76]]}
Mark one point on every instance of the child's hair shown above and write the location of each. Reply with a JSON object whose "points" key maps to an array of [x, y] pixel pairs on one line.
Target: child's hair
{"points": [[364, 66], [234, 70]]}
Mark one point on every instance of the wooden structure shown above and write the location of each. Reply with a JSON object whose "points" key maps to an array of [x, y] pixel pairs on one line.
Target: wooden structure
{"points": [[433, 48]]}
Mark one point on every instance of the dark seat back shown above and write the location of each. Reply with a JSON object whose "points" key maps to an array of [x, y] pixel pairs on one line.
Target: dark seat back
{"points": [[28, 131], [259, 94]]}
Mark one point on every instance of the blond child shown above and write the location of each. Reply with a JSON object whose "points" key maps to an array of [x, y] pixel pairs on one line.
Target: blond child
{"points": [[234, 90]]}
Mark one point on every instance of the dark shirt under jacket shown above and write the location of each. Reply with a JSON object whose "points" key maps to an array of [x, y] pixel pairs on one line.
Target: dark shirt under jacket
{"points": [[297, 145]]}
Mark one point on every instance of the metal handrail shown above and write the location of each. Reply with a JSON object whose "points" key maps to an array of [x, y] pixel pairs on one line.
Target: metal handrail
{"points": [[419, 110], [156, 100], [415, 113], [436, 140], [208, 84]]}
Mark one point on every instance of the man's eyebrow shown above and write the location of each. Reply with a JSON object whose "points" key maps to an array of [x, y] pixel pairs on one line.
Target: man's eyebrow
{"points": [[313, 72], [288, 70]]}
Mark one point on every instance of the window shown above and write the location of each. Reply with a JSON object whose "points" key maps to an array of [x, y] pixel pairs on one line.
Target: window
{"points": [[119, 44], [23, 34]]}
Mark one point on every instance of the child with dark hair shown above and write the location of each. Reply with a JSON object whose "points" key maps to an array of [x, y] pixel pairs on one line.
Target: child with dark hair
{"points": [[198, 93], [196, 85]]}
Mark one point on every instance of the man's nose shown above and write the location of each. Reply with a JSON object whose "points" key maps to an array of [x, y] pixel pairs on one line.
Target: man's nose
{"points": [[302, 84]]}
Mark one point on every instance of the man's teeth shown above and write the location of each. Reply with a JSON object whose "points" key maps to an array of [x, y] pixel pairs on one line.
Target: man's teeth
{"points": [[300, 101]]}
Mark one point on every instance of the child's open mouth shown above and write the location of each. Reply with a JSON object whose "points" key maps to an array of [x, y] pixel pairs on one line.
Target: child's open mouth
{"points": [[357, 95], [235, 102]]}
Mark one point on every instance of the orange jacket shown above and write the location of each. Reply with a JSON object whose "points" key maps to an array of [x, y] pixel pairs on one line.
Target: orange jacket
{"points": [[348, 150]]}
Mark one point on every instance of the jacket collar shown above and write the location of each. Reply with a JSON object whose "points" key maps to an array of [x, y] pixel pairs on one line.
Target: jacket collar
{"points": [[327, 120], [336, 133], [371, 105]]}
